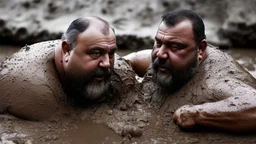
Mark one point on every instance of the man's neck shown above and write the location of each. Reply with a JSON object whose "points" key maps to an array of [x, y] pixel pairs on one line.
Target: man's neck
{"points": [[59, 63]]}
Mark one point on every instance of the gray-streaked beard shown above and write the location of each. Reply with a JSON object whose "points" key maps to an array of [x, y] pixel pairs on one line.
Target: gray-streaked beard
{"points": [[96, 91], [85, 90], [171, 82]]}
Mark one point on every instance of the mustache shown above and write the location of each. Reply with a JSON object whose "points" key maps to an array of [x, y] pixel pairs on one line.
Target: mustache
{"points": [[102, 72], [162, 63]]}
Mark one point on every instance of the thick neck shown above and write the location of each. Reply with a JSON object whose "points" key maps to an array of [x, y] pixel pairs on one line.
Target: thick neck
{"points": [[59, 63]]}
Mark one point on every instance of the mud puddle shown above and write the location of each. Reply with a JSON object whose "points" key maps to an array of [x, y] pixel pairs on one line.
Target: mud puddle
{"points": [[90, 132]]}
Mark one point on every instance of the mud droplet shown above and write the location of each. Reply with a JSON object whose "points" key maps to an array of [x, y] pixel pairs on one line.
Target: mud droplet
{"points": [[27, 48], [123, 107], [231, 72], [110, 112], [232, 104]]}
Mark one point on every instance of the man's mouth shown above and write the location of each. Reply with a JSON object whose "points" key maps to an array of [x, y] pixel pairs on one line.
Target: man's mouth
{"points": [[99, 78], [163, 69]]}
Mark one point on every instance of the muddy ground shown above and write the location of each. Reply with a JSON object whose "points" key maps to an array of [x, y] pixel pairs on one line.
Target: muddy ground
{"points": [[80, 132]]}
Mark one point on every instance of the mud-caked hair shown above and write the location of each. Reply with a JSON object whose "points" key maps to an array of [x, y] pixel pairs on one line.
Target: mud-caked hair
{"points": [[173, 18]]}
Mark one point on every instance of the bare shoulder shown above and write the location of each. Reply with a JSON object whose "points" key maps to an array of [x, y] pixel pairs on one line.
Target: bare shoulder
{"points": [[221, 65], [29, 83], [220, 77]]}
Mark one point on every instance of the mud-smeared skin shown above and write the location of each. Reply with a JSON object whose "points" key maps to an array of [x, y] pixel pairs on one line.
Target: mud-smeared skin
{"points": [[138, 110], [30, 88]]}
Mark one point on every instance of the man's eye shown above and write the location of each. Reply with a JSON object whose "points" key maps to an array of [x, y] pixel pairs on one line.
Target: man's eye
{"points": [[111, 54], [176, 48], [158, 45], [96, 54]]}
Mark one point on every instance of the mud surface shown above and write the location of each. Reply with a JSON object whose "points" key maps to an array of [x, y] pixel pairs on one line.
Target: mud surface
{"points": [[79, 132], [139, 114]]}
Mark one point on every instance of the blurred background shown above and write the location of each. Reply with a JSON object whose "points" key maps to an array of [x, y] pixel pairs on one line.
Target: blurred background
{"points": [[231, 25]]}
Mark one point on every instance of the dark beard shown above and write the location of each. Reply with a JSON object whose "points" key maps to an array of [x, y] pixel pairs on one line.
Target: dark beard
{"points": [[173, 81], [85, 90]]}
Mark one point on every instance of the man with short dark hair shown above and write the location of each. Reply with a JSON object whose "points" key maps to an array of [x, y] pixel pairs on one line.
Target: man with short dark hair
{"points": [[44, 80], [186, 70]]}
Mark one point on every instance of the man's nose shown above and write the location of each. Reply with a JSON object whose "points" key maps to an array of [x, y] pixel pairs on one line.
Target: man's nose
{"points": [[105, 63], [162, 53]]}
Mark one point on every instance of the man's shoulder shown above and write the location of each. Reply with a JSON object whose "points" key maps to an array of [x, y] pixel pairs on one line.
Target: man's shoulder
{"points": [[44, 44], [220, 73], [215, 55], [35, 52], [32, 65], [29, 58]]}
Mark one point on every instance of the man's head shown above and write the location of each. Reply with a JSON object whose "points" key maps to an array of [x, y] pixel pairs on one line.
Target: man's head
{"points": [[179, 49], [88, 50]]}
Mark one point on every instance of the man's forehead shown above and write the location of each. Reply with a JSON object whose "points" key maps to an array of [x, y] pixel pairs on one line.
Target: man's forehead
{"points": [[182, 27], [183, 24], [99, 25], [93, 37]]}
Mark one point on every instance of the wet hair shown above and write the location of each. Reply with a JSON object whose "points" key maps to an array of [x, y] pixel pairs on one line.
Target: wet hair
{"points": [[173, 18], [80, 25]]}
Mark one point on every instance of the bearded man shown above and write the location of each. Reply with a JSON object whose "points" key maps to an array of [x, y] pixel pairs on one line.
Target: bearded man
{"points": [[194, 81], [47, 79]]}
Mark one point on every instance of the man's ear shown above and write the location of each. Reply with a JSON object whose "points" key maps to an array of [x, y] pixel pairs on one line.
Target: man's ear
{"points": [[66, 49], [202, 50]]}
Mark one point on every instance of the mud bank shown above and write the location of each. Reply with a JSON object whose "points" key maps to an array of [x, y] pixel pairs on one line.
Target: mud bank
{"points": [[228, 23]]}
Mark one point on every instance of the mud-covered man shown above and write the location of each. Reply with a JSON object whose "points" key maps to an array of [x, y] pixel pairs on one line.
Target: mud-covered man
{"points": [[201, 85], [46, 79]]}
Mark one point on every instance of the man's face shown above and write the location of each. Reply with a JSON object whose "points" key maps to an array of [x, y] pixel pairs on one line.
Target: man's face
{"points": [[90, 64], [174, 55]]}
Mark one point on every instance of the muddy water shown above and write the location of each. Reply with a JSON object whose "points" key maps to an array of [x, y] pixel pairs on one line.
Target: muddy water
{"points": [[89, 132], [245, 57], [6, 50]]}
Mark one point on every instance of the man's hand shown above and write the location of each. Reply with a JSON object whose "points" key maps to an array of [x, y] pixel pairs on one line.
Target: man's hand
{"points": [[185, 116]]}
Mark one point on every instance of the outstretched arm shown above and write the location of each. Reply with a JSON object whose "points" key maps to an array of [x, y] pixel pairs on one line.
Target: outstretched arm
{"points": [[234, 114], [140, 61]]}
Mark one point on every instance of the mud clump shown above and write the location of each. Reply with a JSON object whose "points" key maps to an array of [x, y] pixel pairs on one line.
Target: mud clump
{"points": [[131, 131]]}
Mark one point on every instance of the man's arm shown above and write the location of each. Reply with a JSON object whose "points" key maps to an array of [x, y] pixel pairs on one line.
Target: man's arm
{"points": [[234, 114], [140, 61]]}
